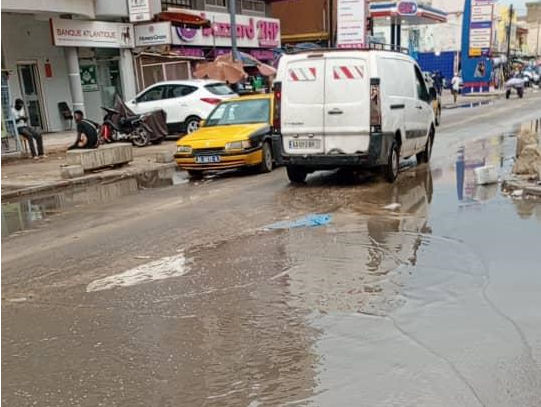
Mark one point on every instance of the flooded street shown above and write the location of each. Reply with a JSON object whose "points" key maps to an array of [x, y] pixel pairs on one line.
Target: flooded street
{"points": [[244, 290]]}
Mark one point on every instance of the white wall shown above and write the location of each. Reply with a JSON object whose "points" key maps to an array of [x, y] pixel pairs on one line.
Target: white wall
{"points": [[80, 7], [24, 38]]}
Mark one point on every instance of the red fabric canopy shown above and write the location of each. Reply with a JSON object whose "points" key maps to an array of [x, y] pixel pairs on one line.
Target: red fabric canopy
{"points": [[183, 18]]}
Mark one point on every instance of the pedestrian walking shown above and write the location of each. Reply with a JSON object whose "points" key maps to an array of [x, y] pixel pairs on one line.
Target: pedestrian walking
{"points": [[455, 86], [87, 132], [26, 131]]}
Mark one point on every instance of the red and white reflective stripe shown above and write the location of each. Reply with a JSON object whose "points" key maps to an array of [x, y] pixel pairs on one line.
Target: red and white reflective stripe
{"points": [[348, 72], [302, 74]]}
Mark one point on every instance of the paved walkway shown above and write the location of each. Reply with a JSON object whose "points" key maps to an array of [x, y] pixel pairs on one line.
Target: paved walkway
{"points": [[27, 172]]}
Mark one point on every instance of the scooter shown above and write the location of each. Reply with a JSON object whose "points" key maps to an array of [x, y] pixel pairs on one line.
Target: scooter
{"points": [[117, 127]]}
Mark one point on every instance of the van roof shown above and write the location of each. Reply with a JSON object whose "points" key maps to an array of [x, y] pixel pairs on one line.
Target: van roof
{"points": [[345, 52], [402, 51]]}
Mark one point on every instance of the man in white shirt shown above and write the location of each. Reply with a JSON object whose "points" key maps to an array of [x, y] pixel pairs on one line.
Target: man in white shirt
{"points": [[26, 131], [455, 86]]}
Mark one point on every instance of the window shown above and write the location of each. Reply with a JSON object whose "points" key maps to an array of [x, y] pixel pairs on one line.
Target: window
{"points": [[216, 3], [257, 6], [176, 4], [220, 89], [422, 93], [240, 112], [178, 91], [152, 94]]}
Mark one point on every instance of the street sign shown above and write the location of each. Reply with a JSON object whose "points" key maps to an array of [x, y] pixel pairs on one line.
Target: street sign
{"points": [[351, 23], [480, 27]]}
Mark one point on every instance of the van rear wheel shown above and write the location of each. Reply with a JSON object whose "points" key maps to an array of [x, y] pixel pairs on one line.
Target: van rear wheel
{"points": [[393, 162], [424, 156], [297, 175]]}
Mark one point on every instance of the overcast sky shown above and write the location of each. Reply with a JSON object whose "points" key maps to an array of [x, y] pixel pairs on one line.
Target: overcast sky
{"points": [[519, 4]]}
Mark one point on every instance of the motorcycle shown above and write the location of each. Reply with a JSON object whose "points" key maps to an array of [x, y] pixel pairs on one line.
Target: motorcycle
{"points": [[117, 127], [121, 124]]}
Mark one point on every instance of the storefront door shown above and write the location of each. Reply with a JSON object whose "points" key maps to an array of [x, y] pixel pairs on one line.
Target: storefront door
{"points": [[109, 80], [31, 93]]}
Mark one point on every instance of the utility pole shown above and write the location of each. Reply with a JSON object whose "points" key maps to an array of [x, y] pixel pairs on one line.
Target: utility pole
{"points": [[233, 27], [509, 39], [537, 45], [331, 18]]}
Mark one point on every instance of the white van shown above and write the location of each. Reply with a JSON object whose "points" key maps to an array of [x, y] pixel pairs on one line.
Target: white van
{"points": [[362, 108]]}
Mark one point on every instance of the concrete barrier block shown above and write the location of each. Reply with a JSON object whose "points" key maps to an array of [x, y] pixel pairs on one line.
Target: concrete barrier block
{"points": [[104, 156], [165, 157], [71, 171]]}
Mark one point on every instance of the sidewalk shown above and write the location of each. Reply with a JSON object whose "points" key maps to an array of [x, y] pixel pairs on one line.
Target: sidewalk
{"points": [[25, 175], [448, 103]]}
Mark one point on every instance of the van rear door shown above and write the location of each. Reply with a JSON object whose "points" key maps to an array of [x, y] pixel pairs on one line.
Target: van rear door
{"points": [[347, 104], [303, 98]]}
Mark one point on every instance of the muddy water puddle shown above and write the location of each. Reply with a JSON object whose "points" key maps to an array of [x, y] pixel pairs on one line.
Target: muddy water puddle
{"points": [[19, 215], [430, 302]]}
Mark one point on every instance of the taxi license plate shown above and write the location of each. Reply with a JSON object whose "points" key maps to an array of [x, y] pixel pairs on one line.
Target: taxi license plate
{"points": [[207, 159], [304, 144]]}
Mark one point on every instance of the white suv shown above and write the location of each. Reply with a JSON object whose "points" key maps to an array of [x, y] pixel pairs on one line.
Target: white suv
{"points": [[185, 102]]}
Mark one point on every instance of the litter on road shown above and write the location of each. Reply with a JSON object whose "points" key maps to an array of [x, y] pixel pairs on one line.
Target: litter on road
{"points": [[308, 220]]}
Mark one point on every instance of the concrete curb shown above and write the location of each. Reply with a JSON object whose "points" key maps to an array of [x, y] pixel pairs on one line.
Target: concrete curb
{"points": [[477, 98], [86, 180]]}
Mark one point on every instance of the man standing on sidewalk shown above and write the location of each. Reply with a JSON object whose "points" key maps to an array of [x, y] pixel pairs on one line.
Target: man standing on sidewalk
{"points": [[26, 131], [455, 86]]}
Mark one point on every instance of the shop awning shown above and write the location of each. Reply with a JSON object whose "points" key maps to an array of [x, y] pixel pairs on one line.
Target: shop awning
{"points": [[422, 15], [182, 18], [308, 37]]}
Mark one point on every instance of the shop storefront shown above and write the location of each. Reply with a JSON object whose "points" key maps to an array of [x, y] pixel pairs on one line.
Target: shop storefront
{"points": [[103, 66], [166, 52]]}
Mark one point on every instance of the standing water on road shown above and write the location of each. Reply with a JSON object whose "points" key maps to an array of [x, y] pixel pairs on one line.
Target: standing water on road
{"points": [[420, 293]]}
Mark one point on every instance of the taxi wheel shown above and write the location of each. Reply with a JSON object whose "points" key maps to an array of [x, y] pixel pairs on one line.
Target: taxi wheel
{"points": [[194, 174], [266, 163]]}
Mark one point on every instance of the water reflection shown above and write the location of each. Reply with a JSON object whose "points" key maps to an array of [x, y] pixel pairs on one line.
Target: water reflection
{"points": [[24, 214], [349, 266]]}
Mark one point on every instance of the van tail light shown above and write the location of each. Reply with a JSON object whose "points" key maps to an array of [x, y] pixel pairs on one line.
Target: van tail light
{"points": [[212, 101], [375, 105], [277, 106]]}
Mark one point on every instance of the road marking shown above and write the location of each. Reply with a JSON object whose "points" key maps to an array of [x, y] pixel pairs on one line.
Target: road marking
{"points": [[167, 267]]}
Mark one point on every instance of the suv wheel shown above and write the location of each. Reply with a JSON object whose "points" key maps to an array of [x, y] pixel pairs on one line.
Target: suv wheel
{"points": [[192, 124]]}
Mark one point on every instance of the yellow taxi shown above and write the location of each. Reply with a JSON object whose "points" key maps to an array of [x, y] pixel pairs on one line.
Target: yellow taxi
{"points": [[237, 133]]}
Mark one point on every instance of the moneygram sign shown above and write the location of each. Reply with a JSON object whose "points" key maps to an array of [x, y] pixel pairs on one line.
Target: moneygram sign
{"points": [[153, 34], [407, 8]]}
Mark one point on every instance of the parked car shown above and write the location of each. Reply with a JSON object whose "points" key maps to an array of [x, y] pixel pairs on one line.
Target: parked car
{"points": [[185, 102], [357, 109], [238, 133]]}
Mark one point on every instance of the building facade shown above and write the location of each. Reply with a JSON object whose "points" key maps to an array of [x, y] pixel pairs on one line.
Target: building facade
{"points": [[181, 48], [81, 53], [533, 24], [304, 20]]}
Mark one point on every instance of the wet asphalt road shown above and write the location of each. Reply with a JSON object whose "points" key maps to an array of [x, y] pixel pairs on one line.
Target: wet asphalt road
{"points": [[179, 296]]}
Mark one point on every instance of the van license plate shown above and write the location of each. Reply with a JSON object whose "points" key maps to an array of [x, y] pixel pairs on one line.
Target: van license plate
{"points": [[207, 159], [304, 143]]}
